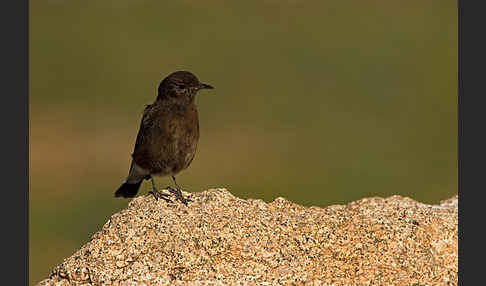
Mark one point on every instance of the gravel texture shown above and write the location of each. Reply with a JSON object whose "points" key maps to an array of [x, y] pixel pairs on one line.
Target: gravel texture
{"points": [[220, 239]]}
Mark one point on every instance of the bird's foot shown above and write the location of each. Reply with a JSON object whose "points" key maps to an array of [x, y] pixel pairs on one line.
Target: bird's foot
{"points": [[178, 194], [157, 194]]}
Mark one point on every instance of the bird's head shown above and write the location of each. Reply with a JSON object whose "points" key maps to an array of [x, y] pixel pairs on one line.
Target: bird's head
{"points": [[181, 87]]}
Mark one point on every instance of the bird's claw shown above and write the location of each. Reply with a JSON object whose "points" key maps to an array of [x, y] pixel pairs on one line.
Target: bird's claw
{"points": [[178, 194], [157, 194]]}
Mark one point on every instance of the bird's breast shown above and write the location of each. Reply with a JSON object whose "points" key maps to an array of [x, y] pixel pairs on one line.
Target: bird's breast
{"points": [[179, 137]]}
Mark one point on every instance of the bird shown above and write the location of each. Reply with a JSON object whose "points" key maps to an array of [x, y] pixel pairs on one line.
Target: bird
{"points": [[167, 138]]}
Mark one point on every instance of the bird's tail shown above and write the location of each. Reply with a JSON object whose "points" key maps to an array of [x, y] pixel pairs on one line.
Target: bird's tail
{"points": [[128, 190]]}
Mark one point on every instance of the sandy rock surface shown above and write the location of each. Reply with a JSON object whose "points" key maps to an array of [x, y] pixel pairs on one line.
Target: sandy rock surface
{"points": [[220, 239]]}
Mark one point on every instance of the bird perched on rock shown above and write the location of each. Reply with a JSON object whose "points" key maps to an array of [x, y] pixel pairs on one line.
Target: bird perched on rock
{"points": [[168, 135]]}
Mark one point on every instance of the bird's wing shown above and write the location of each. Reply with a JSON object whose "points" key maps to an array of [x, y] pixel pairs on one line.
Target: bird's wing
{"points": [[146, 114], [142, 143], [155, 139]]}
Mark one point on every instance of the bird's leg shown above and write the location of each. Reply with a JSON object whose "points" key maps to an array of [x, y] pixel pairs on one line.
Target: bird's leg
{"points": [[158, 194], [177, 192], [175, 182]]}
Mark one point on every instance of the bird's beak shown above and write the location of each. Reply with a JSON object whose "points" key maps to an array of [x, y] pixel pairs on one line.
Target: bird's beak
{"points": [[205, 86]]}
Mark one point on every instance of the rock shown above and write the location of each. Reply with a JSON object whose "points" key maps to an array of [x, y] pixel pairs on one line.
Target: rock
{"points": [[220, 239]]}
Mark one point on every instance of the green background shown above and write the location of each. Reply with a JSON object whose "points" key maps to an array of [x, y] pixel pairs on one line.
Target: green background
{"points": [[320, 102]]}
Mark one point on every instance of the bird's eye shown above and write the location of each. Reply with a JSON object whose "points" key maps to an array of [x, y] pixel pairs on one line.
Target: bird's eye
{"points": [[181, 86]]}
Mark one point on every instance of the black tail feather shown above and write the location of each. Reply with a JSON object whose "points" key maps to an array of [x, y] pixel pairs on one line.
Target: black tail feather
{"points": [[127, 190]]}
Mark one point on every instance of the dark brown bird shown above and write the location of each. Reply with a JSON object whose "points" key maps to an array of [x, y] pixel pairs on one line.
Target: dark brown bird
{"points": [[168, 135]]}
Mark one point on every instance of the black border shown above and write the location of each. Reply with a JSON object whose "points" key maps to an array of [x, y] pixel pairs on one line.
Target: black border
{"points": [[14, 23], [471, 139]]}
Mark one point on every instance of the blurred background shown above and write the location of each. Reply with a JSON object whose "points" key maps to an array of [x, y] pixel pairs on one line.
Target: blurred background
{"points": [[320, 102]]}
